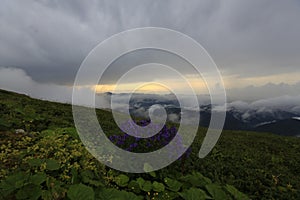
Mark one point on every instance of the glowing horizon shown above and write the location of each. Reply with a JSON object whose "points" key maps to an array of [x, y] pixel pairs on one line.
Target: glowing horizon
{"points": [[199, 85]]}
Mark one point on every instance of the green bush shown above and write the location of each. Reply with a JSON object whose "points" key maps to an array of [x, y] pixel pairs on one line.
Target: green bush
{"points": [[50, 162]]}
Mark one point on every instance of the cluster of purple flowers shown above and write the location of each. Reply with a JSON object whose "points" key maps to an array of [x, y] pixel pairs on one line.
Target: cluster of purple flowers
{"points": [[143, 145]]}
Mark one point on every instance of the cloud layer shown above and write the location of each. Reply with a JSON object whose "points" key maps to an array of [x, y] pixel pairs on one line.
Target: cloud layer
{"points": [[49, 39], [281, 96]]}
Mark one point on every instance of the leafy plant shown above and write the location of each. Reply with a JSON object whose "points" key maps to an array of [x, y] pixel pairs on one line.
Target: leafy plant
{"points": [[81, 192], [50, 162]]}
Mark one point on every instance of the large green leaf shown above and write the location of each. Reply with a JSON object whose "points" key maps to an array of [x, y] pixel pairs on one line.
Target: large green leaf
{"points": [[235, 193], [172, 184], [144, 185], [196, 179], [13, 182], [89, 177], [114, 194], [38, 178], [6, 188], [122, 180], [81, 192], [216, 192], [193, 194], [108, 194], [130, 196], [30, 191], [134, 186], [158, 187]]}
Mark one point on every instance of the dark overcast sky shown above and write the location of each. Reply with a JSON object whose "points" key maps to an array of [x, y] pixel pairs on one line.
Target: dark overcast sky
{"points": [[48, 39]]}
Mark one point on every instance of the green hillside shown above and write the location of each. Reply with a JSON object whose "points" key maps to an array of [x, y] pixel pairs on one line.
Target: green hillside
{"points": [[48, 161]]}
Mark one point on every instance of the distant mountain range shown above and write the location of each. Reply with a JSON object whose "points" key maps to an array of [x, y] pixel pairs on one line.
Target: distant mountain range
{"points": [[262, 117], [282, 127], [277, 121]]}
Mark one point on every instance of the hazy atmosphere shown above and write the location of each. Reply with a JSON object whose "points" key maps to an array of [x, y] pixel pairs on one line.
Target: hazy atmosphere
{"points": [[255, 44]]}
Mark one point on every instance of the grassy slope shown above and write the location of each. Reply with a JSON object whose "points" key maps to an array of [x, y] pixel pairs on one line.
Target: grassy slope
{"points": [[259, 164]]}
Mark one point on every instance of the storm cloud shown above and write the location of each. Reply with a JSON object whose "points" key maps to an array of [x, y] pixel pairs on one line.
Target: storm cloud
{"points": [[50, 38]]}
